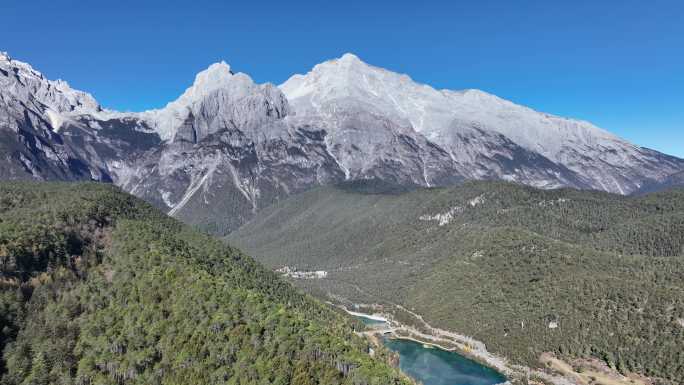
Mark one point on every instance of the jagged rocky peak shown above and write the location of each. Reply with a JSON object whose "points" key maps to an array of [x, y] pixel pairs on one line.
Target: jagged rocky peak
{"points": [[348, 61], [344, 119], [349, 58], [55, 100], [215, 73], [437, 114], [217, 76], [349, 83], [219, 99], [471, 126], [345, 77]]}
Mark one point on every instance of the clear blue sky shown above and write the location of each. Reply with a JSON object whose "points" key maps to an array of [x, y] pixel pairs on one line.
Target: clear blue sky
{"points": [[619, 64]]}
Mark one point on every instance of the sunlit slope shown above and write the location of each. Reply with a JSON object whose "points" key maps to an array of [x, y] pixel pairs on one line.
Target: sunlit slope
{"points": [[98, 287], [526, 271]]}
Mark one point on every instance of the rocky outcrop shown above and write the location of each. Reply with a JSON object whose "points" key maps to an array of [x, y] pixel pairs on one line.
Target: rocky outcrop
{"points": [[228, 146]]}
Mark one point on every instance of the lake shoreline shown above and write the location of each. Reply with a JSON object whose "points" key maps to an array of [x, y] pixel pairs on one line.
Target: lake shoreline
{"points": [[430, 340], [456, 343], [417, 336], [476, 351]]}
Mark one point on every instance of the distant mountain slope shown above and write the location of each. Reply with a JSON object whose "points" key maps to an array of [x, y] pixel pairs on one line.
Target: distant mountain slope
{"points": [[672, 181], [212, 157], [580, 274], [228, 147], [99, 287], [482, 135], [47, 131]]}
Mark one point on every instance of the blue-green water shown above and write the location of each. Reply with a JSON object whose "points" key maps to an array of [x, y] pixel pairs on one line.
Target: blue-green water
{"points": [[434, 366], [371, 322]]}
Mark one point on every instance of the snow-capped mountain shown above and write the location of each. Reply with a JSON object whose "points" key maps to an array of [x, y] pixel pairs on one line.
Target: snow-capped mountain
{"points": [[218, 99], [484, 135], [227, 151], [50, 131], [228, 146]]}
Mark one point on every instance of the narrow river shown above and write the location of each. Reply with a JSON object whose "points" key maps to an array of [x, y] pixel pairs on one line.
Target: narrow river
{"points": [[434, 366]]}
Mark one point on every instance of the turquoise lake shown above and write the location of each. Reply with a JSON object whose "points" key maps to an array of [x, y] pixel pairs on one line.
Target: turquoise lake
{"points": [[434, 366]]}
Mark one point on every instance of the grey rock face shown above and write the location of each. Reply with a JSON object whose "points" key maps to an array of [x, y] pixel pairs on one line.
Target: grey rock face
{"points": [[673, 181], [48, 132], [485, 136], [228, 147]]}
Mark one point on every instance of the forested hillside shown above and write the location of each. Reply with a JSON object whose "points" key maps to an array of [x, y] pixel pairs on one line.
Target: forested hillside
{"points": [[97, 287], [580, 274]]}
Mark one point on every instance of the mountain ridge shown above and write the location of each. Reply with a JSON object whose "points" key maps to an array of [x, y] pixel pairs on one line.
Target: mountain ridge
{"points": [[228, 147], [444, 117]]}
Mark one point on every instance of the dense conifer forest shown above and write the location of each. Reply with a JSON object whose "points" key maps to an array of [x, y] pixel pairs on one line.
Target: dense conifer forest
{"points": [[98, 287], [577, 273]]}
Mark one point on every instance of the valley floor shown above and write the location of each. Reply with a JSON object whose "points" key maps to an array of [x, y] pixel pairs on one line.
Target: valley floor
{"points": [[557, 372], [525, 271]]}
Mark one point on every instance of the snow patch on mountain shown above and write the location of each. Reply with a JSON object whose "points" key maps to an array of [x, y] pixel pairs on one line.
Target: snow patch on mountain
{"points": [[30, 87], [348, 82], [218, 99], [227, 146], [458, 121]]}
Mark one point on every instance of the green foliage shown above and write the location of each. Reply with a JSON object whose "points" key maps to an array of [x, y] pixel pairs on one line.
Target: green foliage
{"points": [[100, 288], [509, 262]]}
